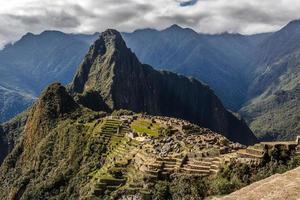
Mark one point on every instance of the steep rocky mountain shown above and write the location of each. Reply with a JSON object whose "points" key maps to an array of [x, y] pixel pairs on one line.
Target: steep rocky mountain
{"points": [[242, 70], [273, 109], [33, 62], [113, 75], [280, 44]]}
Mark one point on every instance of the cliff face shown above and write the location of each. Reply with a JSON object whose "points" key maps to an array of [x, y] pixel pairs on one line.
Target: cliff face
{"points": [[3, 145], [10, 132], [113, 76]]}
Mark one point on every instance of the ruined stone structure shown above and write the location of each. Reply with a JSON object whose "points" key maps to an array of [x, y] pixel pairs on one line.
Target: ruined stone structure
{"points": [[254, 154]]}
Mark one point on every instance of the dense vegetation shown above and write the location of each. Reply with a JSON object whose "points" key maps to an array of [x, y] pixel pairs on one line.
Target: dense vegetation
{"points": [[231, 177]]}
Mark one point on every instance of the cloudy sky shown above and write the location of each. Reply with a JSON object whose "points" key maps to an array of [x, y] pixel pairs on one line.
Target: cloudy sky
{"points": [[87, 16]]}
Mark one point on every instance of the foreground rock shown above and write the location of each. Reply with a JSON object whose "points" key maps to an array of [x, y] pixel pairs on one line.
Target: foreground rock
{"points": [[277, 187]]}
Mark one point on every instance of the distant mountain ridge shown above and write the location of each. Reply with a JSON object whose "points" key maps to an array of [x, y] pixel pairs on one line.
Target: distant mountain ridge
{"points": [[266, 66], [37, 60], [12, 102], [273, 110], [217, 60], [242, 70], [33, 62]]}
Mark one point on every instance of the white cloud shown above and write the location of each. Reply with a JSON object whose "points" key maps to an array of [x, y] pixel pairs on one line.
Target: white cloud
{"points": [[210, 16]]}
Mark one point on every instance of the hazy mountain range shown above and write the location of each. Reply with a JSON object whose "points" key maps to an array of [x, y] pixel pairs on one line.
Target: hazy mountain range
{"points": [[257, 75], [33, 62]]}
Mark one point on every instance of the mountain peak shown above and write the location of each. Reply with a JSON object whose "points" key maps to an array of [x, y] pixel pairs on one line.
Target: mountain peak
{"points": [[292, 26], [297, 21], [174, 27], [110, 33], [55, 101], [107, 57], [112, 38], [112, 78]]}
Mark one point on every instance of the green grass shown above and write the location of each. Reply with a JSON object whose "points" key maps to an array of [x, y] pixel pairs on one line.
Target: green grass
{"points": [[145, 126]]}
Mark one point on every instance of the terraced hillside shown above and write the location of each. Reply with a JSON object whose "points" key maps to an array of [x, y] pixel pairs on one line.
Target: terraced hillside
{"points": [[137, 151], [67, 151]]}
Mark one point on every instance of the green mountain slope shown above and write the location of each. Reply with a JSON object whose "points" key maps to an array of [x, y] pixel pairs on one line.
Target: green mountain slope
{"points": [[70, 152], [274, 114], [273, 107]]}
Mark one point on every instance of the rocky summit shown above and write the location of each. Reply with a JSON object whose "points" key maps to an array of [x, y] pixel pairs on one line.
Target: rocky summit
{"points": [[111, 78]]}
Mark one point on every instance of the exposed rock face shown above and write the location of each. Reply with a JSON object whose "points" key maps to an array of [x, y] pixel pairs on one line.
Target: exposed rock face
{"points": [[280, 186], [219, 60], [3, 145], [113, 74], [10, 132]]}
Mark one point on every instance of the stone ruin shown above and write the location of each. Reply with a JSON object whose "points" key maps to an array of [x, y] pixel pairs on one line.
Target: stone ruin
{"points": [[254, 154]]}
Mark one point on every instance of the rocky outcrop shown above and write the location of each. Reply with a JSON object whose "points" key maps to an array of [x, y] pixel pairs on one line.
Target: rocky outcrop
{"points": [[114, 75], [3, 145], [277, 187], [10, 133]]}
